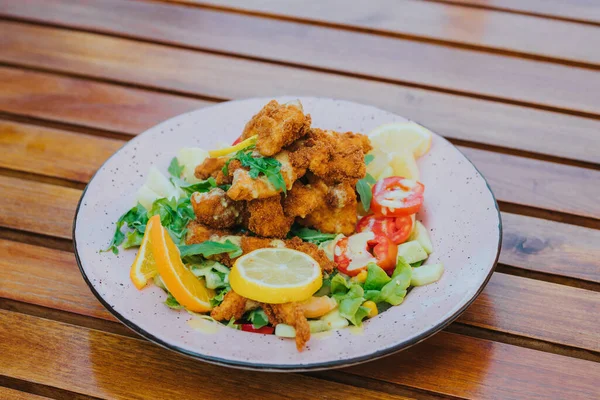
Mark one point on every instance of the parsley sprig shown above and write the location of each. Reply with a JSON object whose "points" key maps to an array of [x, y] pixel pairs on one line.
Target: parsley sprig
{"points": [[267, 166]]}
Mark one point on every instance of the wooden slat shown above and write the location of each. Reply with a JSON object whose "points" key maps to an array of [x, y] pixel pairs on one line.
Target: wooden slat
{"points": [[521, 306], [110, 366], [539, 183], [37, 207], [46, 277], [550, 247], [447, 23], [508, 304], [11, 394], [459, 366], [580, 10], [94, 363], [51, 152], [87, 103], [450, 69], [479, 120]]}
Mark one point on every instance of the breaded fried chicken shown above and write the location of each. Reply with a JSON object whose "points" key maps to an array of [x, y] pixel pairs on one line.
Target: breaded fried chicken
{"points": [[277, 125], [337, 214], [304, 199], [249, 243], [212, 167], [215, 209], [290, 314], [198, 233], [244, 187], [334, 157], [266, 217], [233, 306]]}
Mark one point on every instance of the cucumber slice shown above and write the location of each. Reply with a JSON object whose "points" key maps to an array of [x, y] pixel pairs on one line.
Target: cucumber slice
{"points": [[421, 235], [283, 330], [146, 196], [426, 274], [317, 326], [334, 320], [412, 252]]}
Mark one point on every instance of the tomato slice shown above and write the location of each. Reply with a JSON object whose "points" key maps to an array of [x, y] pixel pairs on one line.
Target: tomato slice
{"points": [[267, 330], [352, 255], [236, 141], [396, 196], [398, 229], [385, 252]]}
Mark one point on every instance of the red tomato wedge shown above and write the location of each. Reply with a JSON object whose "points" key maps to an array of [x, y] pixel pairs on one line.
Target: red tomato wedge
{"points": [[353, 254], [236, 141], [396, 196], [398, 229], [267, 330]]}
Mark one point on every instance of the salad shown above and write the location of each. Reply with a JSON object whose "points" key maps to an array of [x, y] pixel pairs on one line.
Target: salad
{"points": [[291, 230]]}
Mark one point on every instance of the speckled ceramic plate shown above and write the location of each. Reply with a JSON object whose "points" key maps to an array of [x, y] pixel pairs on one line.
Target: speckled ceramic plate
{"points": [[459, 210]]}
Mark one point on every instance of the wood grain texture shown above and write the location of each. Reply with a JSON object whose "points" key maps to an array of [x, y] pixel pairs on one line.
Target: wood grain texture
{"points": [[11, 394], [522, 306], [539, 183], [106, 365], [46, 277], [443, 68], [93, 363], [87, 103], [550, 247], [483, 29], [508, 304], [479, 369], [52, 152], [37, 207], [452, 116], [581, 10]]}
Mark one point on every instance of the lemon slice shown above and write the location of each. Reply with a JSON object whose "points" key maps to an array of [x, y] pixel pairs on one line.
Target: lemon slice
{"points": [[187, 289], [228, 150], [276, 275], [400, 137], [403, 164], [144, 266]]}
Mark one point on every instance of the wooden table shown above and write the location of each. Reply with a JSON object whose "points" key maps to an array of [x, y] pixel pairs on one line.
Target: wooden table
{"points": [[514, 83]]}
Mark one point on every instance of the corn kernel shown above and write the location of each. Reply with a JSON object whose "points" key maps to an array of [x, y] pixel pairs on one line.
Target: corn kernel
{"points": [[372, 308], [361, 277]]}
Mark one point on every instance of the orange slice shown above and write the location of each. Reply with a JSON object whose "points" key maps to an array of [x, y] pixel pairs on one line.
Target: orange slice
{"points": [[187, 289], [144, 266]]}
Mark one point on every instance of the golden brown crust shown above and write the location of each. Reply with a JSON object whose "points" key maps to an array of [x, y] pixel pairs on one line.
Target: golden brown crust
{"points": [[337, 214], [290, 314], [277, 125], [266, 217], [233, 306], [303, 199], [215, 209]]}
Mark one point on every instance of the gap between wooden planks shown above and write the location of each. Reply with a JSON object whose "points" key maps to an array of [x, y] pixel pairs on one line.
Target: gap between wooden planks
{"points": [[508, 304], [582, 11], [464, 72], [92, 363], [447, 24]]}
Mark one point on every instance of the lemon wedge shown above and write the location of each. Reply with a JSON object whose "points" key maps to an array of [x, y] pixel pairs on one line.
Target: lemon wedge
{"points": [[232, 149], [187, 289], [144, 266], [276, 275], [400, 137]]}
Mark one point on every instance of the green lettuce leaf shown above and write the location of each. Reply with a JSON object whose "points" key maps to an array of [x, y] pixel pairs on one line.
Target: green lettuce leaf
{"points": [[377, 278], [311, 235], [339, 284], [209, 248], [175, 169], [395, 290], [258, 318], [172, 303]]}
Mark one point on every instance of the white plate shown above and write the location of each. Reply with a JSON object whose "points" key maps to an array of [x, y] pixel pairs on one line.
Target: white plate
{"points": [[459, 211]]}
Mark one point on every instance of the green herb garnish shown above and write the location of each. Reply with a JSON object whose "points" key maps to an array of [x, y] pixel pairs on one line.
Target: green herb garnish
{"points": [[210, 248], [363, 187], [267, 166], [136, 219], [258, 318], [175, 169], [311, 235], [369, 158], [171, 302]]}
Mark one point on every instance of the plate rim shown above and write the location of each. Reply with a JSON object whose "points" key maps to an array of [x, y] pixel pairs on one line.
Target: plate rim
{"points": [[285, 367]]}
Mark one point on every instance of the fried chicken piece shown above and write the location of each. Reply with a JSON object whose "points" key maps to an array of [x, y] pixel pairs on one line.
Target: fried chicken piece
{"points": [[212, 167], [290, 314], [215, 209], [198, 233], [249, 243], [266, 217], [337, 214], [244, 187], [304, 199], [277, 125], [332, 156], [233, 306]]}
